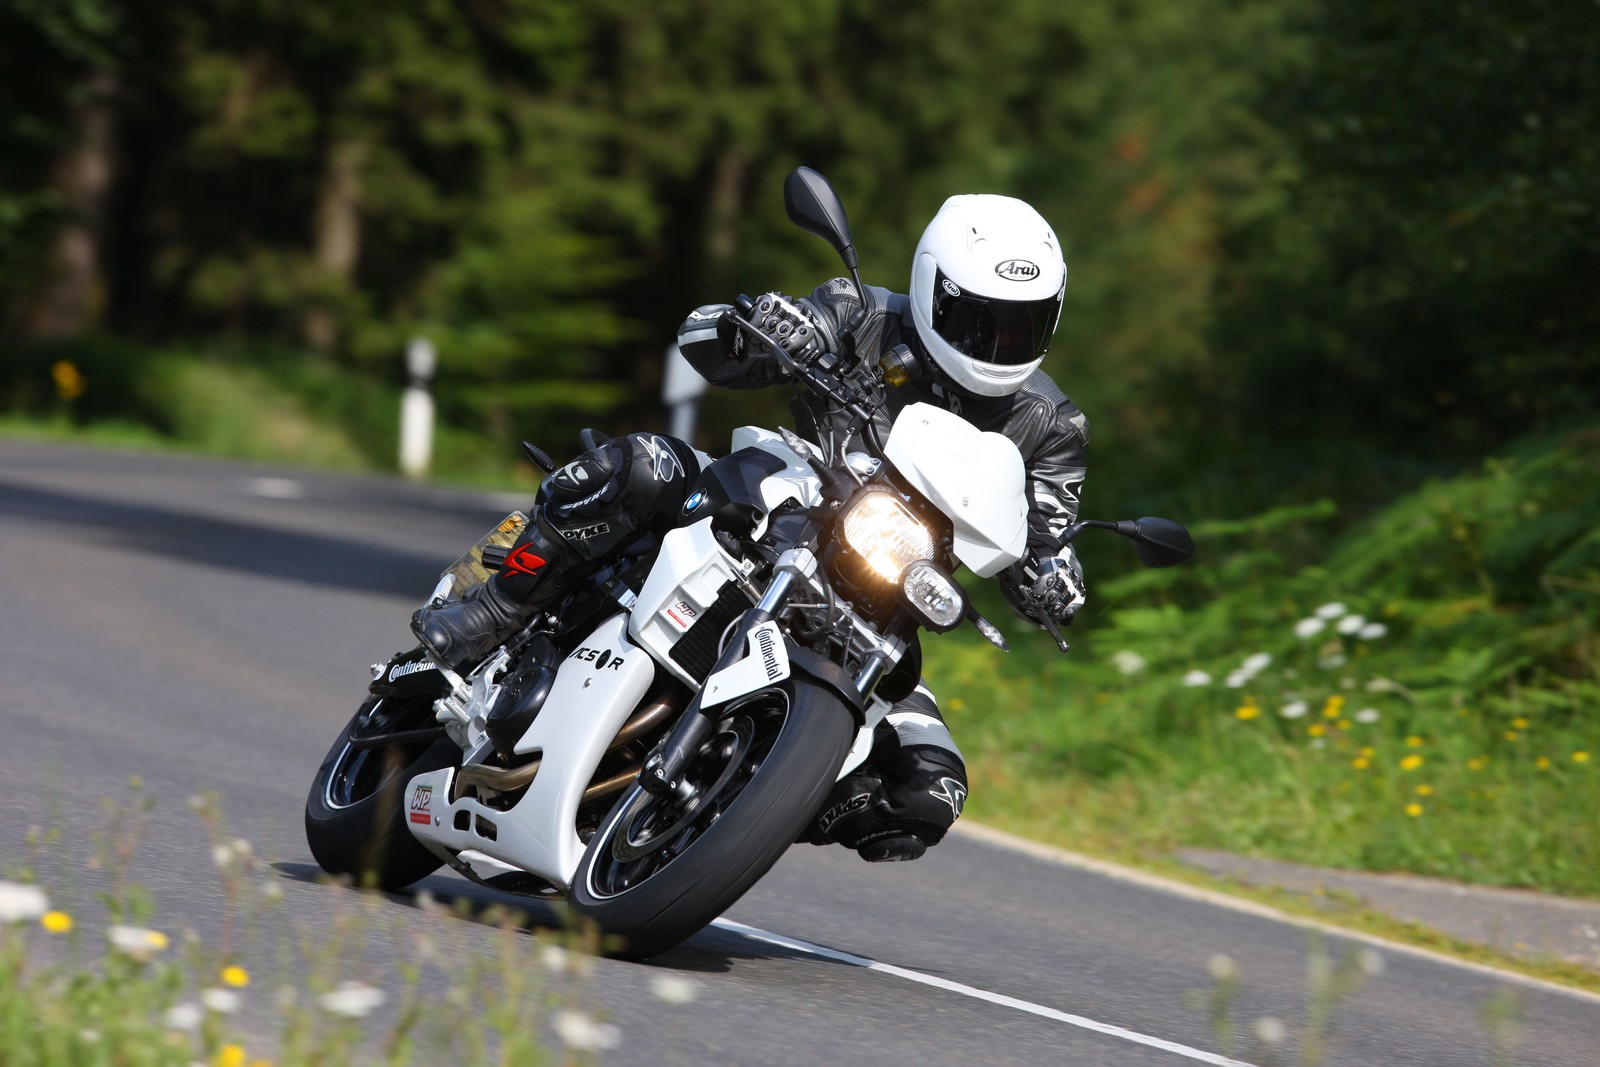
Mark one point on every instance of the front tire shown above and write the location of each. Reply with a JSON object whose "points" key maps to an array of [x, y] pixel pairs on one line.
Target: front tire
{"points": [[355, 822], [658, 870]]}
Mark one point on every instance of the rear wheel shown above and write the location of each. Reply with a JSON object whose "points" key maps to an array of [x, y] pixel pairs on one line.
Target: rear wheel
{"points": [[659, 869], [355, 822]]}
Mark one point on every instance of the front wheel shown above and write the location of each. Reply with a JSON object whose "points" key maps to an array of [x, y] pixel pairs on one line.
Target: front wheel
{"points": [[659, 869], [355, 822]]}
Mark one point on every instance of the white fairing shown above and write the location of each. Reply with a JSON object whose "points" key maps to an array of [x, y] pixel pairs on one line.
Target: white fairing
{"points": [[976, 478], [592, 697]]}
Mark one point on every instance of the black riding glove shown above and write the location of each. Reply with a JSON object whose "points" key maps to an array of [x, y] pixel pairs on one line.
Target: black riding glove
{"points": [[1051, 587], [790, 323]]}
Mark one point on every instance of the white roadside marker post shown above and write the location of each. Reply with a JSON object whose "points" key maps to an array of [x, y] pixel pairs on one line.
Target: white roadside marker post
{"points": [[416, 409], [681, 390]]}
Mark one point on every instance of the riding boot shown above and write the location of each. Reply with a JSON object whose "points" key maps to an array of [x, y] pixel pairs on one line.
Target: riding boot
{"points": [[461, 632]]}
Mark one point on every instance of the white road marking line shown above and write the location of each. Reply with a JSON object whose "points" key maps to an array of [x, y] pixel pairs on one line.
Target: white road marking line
{"points": [[1004, 1001], [1078, 861], [277, 488]]}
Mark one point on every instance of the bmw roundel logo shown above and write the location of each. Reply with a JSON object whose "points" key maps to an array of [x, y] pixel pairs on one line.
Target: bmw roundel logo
{"points": [[694, 502]]}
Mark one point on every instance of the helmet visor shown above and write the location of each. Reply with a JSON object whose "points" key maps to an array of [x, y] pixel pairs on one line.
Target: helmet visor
{"points": [[1002, 332]]}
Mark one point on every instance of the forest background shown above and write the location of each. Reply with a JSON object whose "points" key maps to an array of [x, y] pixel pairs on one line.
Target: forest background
{"points": [[1332, 301]]}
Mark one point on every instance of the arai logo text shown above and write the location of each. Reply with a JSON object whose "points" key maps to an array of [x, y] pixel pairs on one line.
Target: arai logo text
{"points": [[1017, 270]]}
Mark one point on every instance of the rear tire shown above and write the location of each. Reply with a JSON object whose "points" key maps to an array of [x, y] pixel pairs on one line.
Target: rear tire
{"points": [[657, 870], [355, 822]]}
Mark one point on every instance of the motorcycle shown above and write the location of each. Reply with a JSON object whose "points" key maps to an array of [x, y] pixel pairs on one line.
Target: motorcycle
{"points": [[650, 749]]}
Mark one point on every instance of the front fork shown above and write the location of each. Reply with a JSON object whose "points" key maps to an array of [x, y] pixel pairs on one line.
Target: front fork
{"points": [[662, 773]]}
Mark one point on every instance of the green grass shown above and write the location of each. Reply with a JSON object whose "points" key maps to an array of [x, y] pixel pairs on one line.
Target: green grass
{"points": [[1460, 742]]}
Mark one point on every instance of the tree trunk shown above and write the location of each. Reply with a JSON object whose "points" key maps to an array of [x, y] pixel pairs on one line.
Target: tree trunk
{"points": [[338, 233], [72, 296]]}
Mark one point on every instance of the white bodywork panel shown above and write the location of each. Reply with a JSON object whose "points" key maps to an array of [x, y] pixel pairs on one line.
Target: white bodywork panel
{"points": [[588, 704], [796, 481], [685, 580], [973, 476]]}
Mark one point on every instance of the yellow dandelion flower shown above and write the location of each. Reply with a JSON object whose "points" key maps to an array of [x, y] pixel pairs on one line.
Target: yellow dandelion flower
{"points": [[56, 922], [1411, 762], [1413, 741], [1361, 763], [231, 1056], [1333, 707], [1316, 729], [70, 382], [1413, 810], [1246, 712], [1543, 763], [1368, 751], [1580, 757], [1520, 723], [957, 704], [1344, 724], [1424, 790], [1476, 763], [235, 976], [1511, 735]]}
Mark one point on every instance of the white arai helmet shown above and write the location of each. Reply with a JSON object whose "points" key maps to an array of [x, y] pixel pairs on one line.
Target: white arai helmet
{"points": [[986, 288]]}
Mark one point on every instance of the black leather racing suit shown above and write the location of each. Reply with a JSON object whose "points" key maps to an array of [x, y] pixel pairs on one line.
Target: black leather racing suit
{"points": [[915, 783]]}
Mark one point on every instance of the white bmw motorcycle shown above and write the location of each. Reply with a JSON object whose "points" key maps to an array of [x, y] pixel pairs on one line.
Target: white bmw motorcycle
{"points": [[649, 750]]}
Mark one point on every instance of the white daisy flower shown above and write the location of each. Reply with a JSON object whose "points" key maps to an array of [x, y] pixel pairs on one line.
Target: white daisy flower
{"points": [[20, 902], [136, 941], [674, 989], [1257, 663], [1367, 716], [1372, 631], [1295, 709], [1330, 611], [185, 1016], [1237, 680], [1350, 624], [221, 1001], [1270, 1030], [576, 1030], [353, 1000], [1194, 678], [1309, 627], [1127, 661]]}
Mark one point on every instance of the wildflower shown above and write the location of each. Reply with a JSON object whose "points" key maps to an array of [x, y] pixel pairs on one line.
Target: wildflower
{"points": [[1127, 661], [1222, 967], [1543, 763], [673, 989], [1293, 710], [1248, 710], [222, 856], [1368, 751], [1333, 707], [1330, 610], [1370, 960], [1361, 763], [1511, 735], [576, 1030], [235, 976], [1331, 661], [1350, 624], [1270, 1030], [1309, 627], [1413, 741], [1413, 810], [1237, 680], [230, 1056], [1519, 723], [185, 1016], [1580, 757], [1411, 762], [221, 1001], [1372, 631], [20, 902], [554, 958], [353, 1000], [1368, 716], [273, 892], [1196, 678], [1424, 790], [1344, 724], [1316, 729], [56, 922], [136, 941], [1256, 662], [1477, 763]]}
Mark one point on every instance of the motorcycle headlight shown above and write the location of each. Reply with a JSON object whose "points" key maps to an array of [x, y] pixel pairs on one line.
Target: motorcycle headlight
{"points": [[934, 595], [884, 532]]}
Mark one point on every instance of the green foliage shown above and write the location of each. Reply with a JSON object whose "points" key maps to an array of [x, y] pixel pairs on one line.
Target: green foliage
{"points": [[1414, 696]]}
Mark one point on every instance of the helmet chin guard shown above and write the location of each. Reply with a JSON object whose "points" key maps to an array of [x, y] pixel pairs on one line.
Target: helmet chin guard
{"points": [[986, 288]]}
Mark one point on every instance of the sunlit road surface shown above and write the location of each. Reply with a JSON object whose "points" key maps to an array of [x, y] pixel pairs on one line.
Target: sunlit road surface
{"points": [[207, 627]]}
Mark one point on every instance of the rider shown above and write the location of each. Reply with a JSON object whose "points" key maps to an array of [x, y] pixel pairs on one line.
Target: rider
{"points": [[987, 282]]}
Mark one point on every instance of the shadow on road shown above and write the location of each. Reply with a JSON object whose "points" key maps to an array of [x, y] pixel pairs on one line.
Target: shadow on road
{"points": [[268, 551]]}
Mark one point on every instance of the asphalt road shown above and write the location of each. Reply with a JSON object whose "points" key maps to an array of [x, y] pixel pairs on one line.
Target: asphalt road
{"points": [[207, 627]]}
